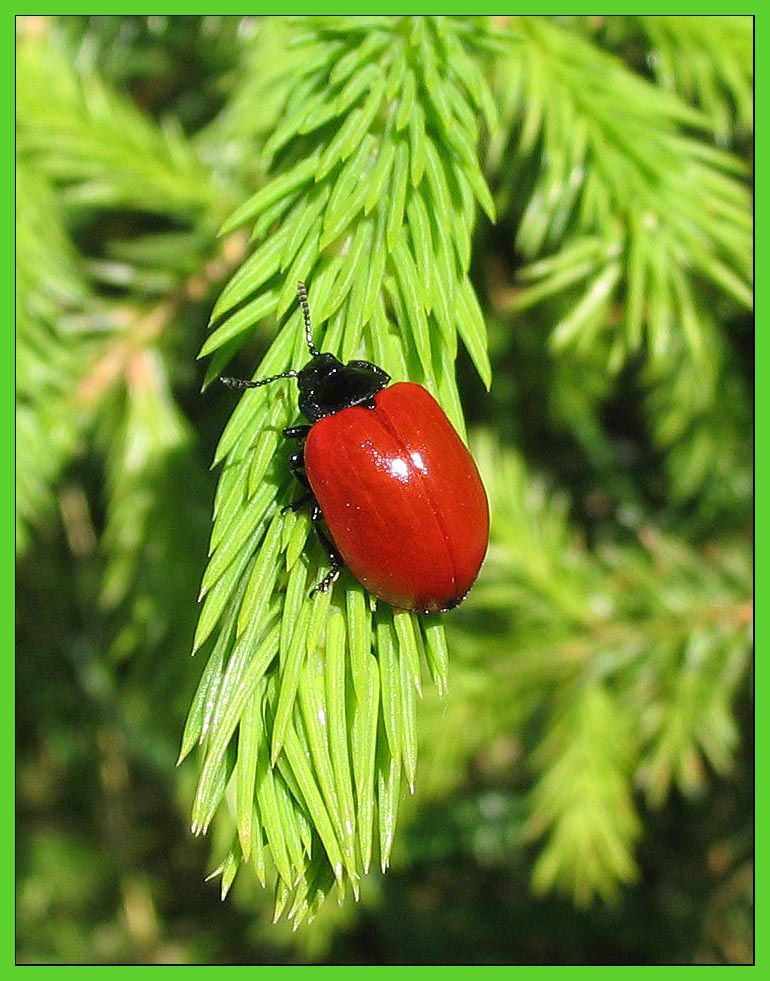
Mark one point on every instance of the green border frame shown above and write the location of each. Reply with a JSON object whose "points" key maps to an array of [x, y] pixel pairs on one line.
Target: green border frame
{"points": [[762, 471], [762, 401]]}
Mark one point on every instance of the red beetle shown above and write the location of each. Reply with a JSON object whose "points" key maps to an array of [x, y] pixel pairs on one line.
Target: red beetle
{"points": [[395, 485]]}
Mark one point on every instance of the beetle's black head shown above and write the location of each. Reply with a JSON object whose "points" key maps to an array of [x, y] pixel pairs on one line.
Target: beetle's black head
{"points": [[326, 385]]}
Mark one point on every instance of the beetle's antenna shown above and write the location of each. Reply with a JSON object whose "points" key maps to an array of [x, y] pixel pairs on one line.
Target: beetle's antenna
{"points": [[305, 306], [242, 383], [302, 297]]}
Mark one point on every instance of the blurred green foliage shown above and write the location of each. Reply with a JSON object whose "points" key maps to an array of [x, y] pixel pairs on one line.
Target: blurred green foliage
{"points": [[584, 787]]}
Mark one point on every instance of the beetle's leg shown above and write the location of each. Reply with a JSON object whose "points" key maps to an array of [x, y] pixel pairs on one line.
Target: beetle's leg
{"points": [[334, 556], [300, 503], [297, 467], [315, 516]]}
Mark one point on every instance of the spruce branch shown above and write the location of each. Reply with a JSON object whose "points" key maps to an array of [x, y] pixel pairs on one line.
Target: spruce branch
{"points": [[83, 149], [644, 646], [583, 799], [701, 422], [708, 61], [87, 138], [149, 539], [372, 200], [57, 320], [624, 208]]}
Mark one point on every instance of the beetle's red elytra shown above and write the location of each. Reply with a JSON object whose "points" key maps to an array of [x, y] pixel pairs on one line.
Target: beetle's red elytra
{"points": [[394, 484]]}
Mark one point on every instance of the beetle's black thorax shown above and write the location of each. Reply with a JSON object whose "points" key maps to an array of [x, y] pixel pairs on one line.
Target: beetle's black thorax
{"points": [[326, 385]]}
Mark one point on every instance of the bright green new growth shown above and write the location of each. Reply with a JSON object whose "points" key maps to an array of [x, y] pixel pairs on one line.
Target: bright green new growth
{"points": [[372, 203], [641, 212], [642, 646]]}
